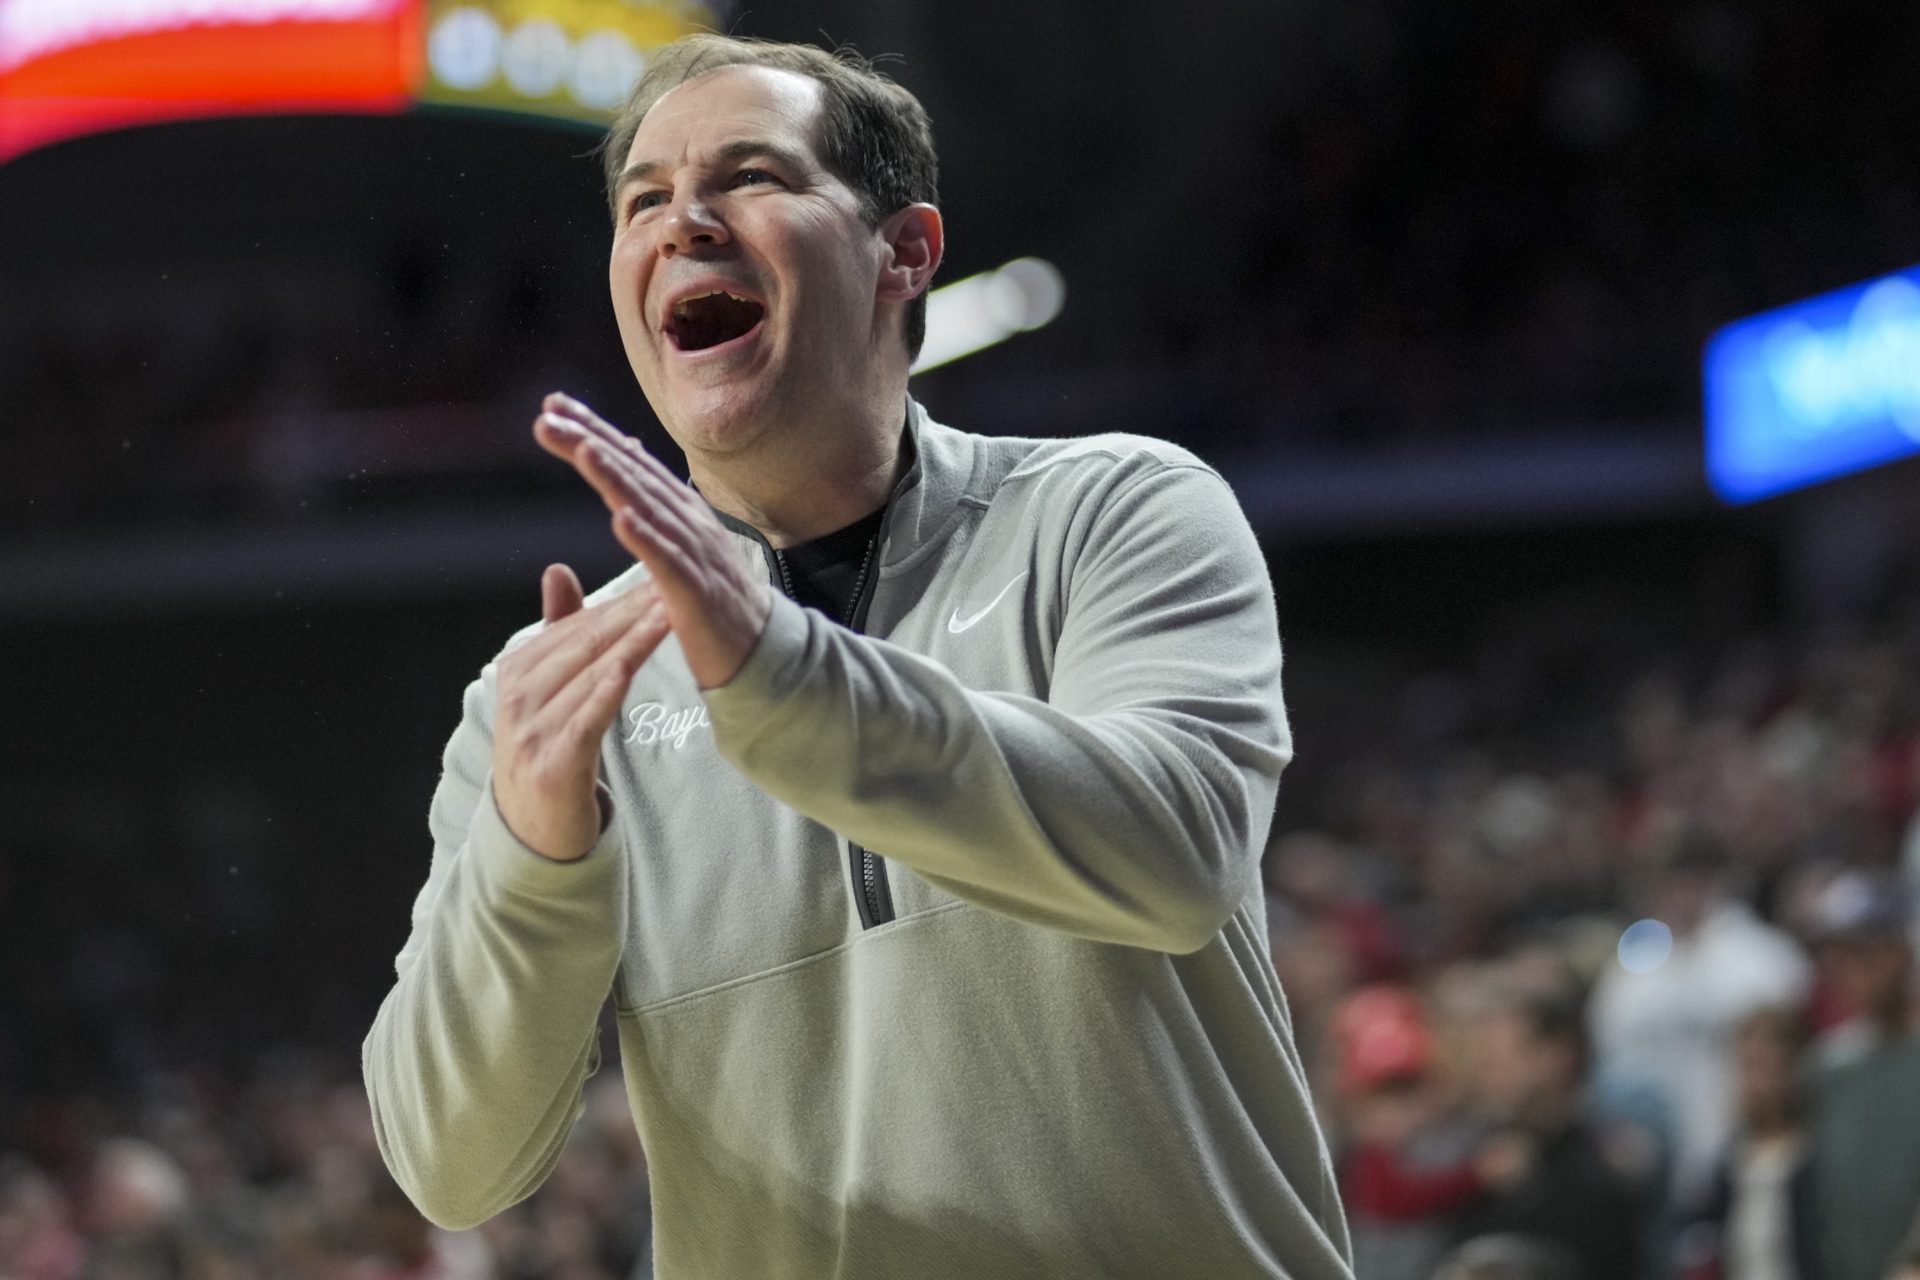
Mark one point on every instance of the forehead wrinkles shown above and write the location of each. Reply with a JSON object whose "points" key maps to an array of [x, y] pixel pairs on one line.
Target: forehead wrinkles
{"points": [[696, 117]]}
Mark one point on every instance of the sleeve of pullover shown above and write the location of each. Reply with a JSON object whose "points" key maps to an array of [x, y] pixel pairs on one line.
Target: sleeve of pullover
{"points": [[475, 1062], [1129, 806]]}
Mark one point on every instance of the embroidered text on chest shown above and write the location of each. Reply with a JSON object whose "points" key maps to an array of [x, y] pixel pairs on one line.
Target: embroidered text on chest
{"points": [[650, 723]]}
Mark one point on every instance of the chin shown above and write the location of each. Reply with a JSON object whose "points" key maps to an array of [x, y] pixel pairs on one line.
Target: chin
{"points": [[714, 419]]}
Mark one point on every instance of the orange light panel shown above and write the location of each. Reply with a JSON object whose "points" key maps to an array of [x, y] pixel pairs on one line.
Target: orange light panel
{"points": [[61, 76]]}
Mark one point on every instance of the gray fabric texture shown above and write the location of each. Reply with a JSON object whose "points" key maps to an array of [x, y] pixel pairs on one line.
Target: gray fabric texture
{"points": [[1068, 1055]]}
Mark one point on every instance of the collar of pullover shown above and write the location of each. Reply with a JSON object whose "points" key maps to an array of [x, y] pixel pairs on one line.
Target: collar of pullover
{"points": [[923, 502]]}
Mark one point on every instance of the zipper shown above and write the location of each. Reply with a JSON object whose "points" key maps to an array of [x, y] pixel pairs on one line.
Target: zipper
{"points": [[871, 890], [866, 871], [869, 869]]}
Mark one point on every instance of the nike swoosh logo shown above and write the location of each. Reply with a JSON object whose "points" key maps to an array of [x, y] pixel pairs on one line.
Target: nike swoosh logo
{"points": [[956, 624]]}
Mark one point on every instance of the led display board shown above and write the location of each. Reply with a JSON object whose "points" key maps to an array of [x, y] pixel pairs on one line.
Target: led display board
{"points": [[574, 58], [69, 67], [1814, 390]]}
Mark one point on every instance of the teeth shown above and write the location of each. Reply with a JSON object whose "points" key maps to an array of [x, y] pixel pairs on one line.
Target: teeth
{"points": [[680, 307]]}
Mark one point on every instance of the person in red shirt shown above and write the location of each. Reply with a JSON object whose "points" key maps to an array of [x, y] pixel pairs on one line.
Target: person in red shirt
{"points": [[1399, 1200]]}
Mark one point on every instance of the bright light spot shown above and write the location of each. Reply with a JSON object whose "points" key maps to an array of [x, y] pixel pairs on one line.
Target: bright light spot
{"points": [[1041, 287], [977, 312], [537, 57], [1645, 946], [605, 65], [1836, 378], [464, 49]]}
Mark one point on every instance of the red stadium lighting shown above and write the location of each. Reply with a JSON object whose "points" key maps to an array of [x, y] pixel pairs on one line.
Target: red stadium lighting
{"points": [[69, 67]]}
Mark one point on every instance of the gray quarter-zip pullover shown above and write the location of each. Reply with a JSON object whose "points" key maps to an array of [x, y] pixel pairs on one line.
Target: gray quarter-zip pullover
{"points": [[1059, 1051]]}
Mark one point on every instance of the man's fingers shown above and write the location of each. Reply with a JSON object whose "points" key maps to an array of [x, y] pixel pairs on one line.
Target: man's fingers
{"points": [[621, 483], [612, 471], [594, 716], [655, 542], [558, 435], [663, 549], [559, 402], [619, 468], [565, 424], [560, 593], [617, 666], [546, 662], [595, 632], [667, 507], [543, 752]]}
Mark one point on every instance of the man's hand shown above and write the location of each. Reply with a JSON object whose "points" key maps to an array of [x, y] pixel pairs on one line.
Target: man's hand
{"points": [[716, 607], [558, 694]]}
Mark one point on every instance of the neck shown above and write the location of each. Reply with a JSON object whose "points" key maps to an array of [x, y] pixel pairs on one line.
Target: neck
{"points": [[804, 485]]}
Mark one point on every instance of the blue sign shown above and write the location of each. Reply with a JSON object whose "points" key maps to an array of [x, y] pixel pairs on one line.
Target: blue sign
{"points": [[1814, 390]]}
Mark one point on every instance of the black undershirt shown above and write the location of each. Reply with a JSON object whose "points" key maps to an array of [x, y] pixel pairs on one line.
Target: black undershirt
{"points": [[825, 570]]}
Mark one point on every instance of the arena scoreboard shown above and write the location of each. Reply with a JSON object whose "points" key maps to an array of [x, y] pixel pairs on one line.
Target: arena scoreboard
{"points": [[72, 67], [1814, 390]]}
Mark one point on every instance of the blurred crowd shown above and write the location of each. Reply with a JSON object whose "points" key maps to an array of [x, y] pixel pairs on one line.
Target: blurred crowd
{"points": [[274, 393], [1618, 985], [196, 1175], [1593, 985], [1630, 993], [1487, 217], [1449, 219]]}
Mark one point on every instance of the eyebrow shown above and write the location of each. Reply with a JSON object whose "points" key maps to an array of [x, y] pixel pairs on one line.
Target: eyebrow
{"points": [[729, 153]]}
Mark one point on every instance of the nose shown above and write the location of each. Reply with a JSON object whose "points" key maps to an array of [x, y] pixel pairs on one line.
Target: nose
{"points": [[689, 227]]}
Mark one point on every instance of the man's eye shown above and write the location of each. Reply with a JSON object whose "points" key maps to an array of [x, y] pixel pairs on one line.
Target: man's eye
{"points": [[646, 200], [751, 177]]}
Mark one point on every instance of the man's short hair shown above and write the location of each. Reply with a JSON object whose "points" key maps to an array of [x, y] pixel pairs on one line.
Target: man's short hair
{"points": [[874, 135]]}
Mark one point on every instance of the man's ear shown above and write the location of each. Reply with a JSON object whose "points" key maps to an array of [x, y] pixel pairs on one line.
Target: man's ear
{"points": [[912, 241]]}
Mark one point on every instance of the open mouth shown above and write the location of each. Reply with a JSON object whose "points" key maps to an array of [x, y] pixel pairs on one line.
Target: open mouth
{"points": [[696, 324]]}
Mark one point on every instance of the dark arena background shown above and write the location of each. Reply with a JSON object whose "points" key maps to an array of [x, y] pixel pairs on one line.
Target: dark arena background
{"points": [[1587, 701]]}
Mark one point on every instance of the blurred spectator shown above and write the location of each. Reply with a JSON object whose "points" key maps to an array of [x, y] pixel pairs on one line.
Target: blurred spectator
{"points": [[1313, 880], [1761, 1219], [1508, 1258], [1468, 223], [38, 1240], [402, 1245], [135, 1212], [1405, 1170], [1867, 1152], [1530, 1075], [1672, 1023], [1482, 218], [1469, 858], [1867, 958], [1906, 1262]]}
